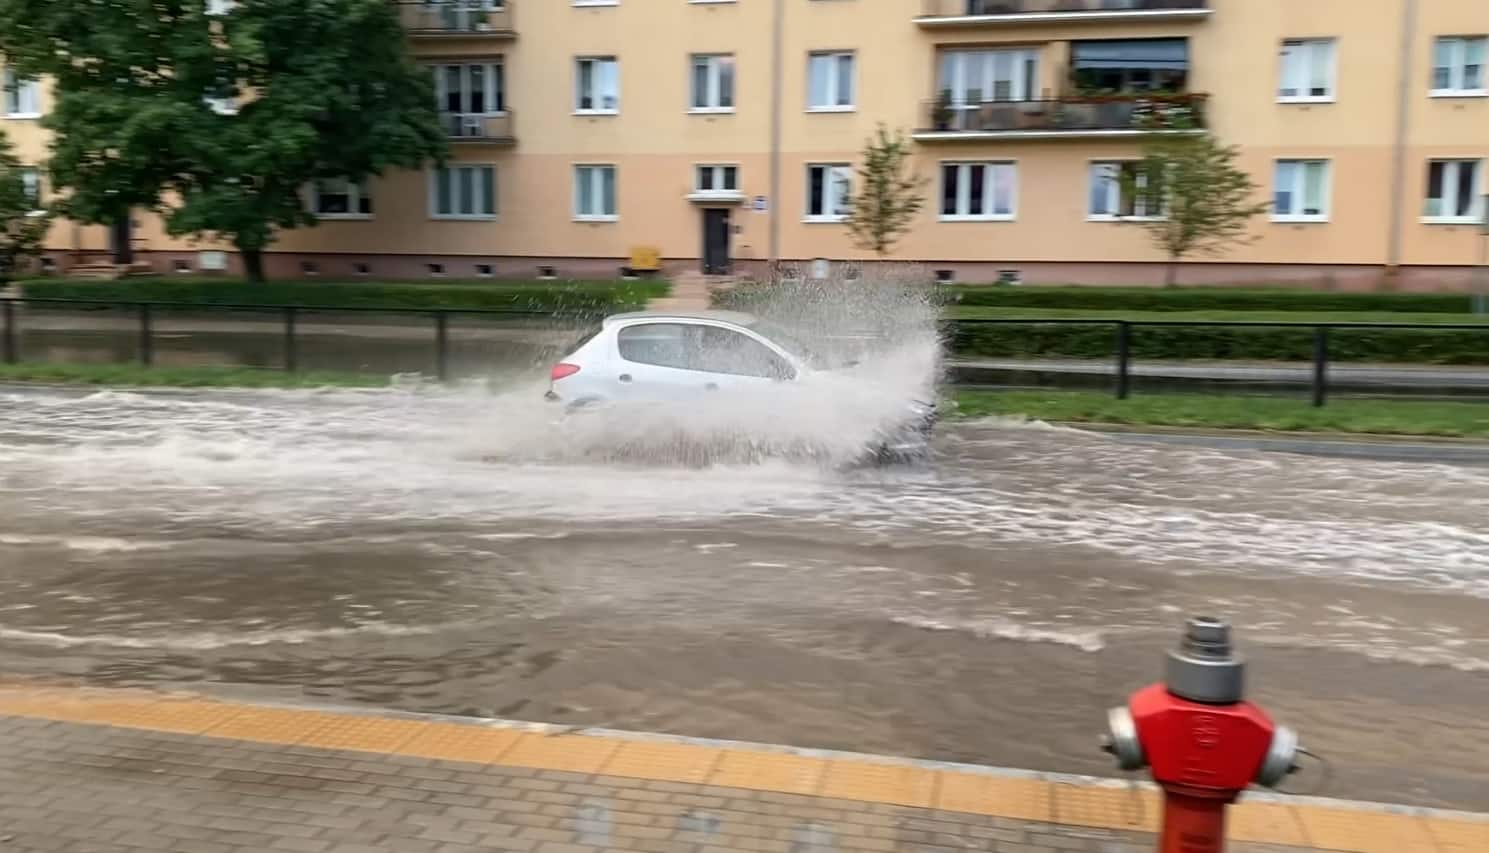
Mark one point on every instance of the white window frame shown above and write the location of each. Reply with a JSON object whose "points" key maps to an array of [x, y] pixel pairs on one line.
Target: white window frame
{"points": [[594, 173], [831, 61], [31, 185], [598, 95], [1451, 167], [493, 83], [710, 101], [718, 171], [453, 169], [21, 91], [1458, 67], [961, 66], [964, 191], [1299, 189], [1109, 172], [582, 3], [834, 173], [1295, 62], [355, 192]]}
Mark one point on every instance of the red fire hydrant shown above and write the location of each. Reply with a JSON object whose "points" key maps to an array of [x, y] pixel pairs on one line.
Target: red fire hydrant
{"points": [[1203, 741]]}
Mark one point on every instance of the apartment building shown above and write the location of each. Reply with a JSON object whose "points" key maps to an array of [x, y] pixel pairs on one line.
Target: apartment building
{"points": [[724, 133]]}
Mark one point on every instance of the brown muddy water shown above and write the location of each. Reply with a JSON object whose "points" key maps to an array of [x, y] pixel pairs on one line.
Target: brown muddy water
{"points": [[392, 549]]}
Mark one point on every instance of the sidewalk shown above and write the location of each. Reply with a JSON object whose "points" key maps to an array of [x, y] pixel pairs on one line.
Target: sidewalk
{"points": [[92, 771]]}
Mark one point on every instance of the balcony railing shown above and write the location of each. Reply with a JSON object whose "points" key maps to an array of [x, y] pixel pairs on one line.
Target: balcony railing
{"points": [[457, 18], [981, 12], [1111, 115], [496, 129]]}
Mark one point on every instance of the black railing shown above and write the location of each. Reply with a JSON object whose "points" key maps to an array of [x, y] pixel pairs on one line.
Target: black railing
{"points": [[995, 8], [434, 18], [481, 127], [1122, 342], [1073, 114]]}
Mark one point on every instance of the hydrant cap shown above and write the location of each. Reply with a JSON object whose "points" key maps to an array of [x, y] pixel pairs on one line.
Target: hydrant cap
{"points": [[1204, 668]]}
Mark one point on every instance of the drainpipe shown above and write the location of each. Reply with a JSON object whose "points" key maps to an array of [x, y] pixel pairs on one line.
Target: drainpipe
{"points": [[777, 86], [1403, 121]]}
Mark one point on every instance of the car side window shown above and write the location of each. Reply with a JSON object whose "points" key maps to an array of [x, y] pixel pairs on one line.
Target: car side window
{"points": [[662, 344], [723, 350]]}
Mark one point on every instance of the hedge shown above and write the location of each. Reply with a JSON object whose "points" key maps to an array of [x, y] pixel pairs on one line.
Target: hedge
{"points": [[555, 296], [1205, 299], [1426, 346]]}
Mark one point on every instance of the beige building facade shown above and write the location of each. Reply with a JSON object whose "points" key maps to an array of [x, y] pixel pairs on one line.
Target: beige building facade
{"points": [[724, 133]]}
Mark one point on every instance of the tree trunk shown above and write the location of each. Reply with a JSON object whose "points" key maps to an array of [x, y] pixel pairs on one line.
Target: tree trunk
{"points": [[121, 238], [1171, 272], [253, 264]]}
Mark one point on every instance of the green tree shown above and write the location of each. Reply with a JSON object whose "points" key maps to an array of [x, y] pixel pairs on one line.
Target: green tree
{"points": [[219, 121], [23, 224], [889, 193], [1206, 201]]}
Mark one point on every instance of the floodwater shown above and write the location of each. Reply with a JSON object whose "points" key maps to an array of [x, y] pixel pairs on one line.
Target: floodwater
{"points": [[391, 548]]}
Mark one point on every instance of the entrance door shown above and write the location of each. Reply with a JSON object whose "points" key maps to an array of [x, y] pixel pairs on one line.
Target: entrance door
{"points": [[716, 241]]}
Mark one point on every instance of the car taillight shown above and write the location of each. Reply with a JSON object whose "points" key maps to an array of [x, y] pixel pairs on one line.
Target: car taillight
{"points": [[563, 369]]}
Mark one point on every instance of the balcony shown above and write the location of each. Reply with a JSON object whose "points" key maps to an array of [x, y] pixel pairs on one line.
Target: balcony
{"points": [[1073, 117], [491, 129], [1003, 13], [457, 19]]}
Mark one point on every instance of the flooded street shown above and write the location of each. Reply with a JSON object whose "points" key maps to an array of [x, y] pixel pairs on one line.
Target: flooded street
{"points": [[391, 548]]}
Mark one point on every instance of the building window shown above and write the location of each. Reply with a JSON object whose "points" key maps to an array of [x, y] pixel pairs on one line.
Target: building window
{"points": [[1130, 65], [22, 95], [597, 85], [1458, 65], [972, 77], [31, 185], [1300, 191], [463, 192], [710, 178], [1454, 191], [332, 198], [829, 191], [471, 88], [1122, 190], [713, 83], [1307, 70], [977, 190], [830, 81], [594, 193]]}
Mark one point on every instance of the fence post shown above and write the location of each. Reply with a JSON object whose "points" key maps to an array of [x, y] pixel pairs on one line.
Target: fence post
{"points": [[1320, 365], [9, 345], [441, 345], [1124, 360], [147, 343], [291, 351]]}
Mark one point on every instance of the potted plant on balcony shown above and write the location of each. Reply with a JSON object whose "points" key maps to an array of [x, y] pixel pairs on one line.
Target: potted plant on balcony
{"points": [[941, 114]]}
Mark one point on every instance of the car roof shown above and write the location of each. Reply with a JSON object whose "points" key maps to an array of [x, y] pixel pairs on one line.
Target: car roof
{"points": [[738, 318]]}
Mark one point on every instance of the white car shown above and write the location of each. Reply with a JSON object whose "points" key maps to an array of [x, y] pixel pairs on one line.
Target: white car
{"points": [[666, 357]]}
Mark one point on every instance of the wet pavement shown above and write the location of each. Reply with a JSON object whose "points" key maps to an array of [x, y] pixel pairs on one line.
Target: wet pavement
{"points": [[364, 547]]}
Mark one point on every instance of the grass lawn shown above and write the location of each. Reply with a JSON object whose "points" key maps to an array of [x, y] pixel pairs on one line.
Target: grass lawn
{"points": [[959, 312], [184, 377], [1381, 417]]}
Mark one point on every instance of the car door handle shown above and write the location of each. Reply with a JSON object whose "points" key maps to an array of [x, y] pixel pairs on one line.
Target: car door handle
{"points": [[625, 377], [711, 387]]}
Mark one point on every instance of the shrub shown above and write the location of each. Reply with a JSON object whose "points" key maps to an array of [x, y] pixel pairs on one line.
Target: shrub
{"points": [[1205, 299]]}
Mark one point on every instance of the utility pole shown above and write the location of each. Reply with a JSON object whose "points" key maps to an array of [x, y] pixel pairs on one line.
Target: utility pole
{"points": [[777, 89]]}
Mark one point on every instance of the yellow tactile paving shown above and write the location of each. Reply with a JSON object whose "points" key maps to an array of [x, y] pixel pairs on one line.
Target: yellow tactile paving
{"points": [[1017, 797], [880, 783], [1129, 807], [363, 734], [769, 771], [1454, 836], [451, 742], [1002, 796], [1365, 832], [1272, 823], [669, 762], [573, 753], [267, 725]]}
